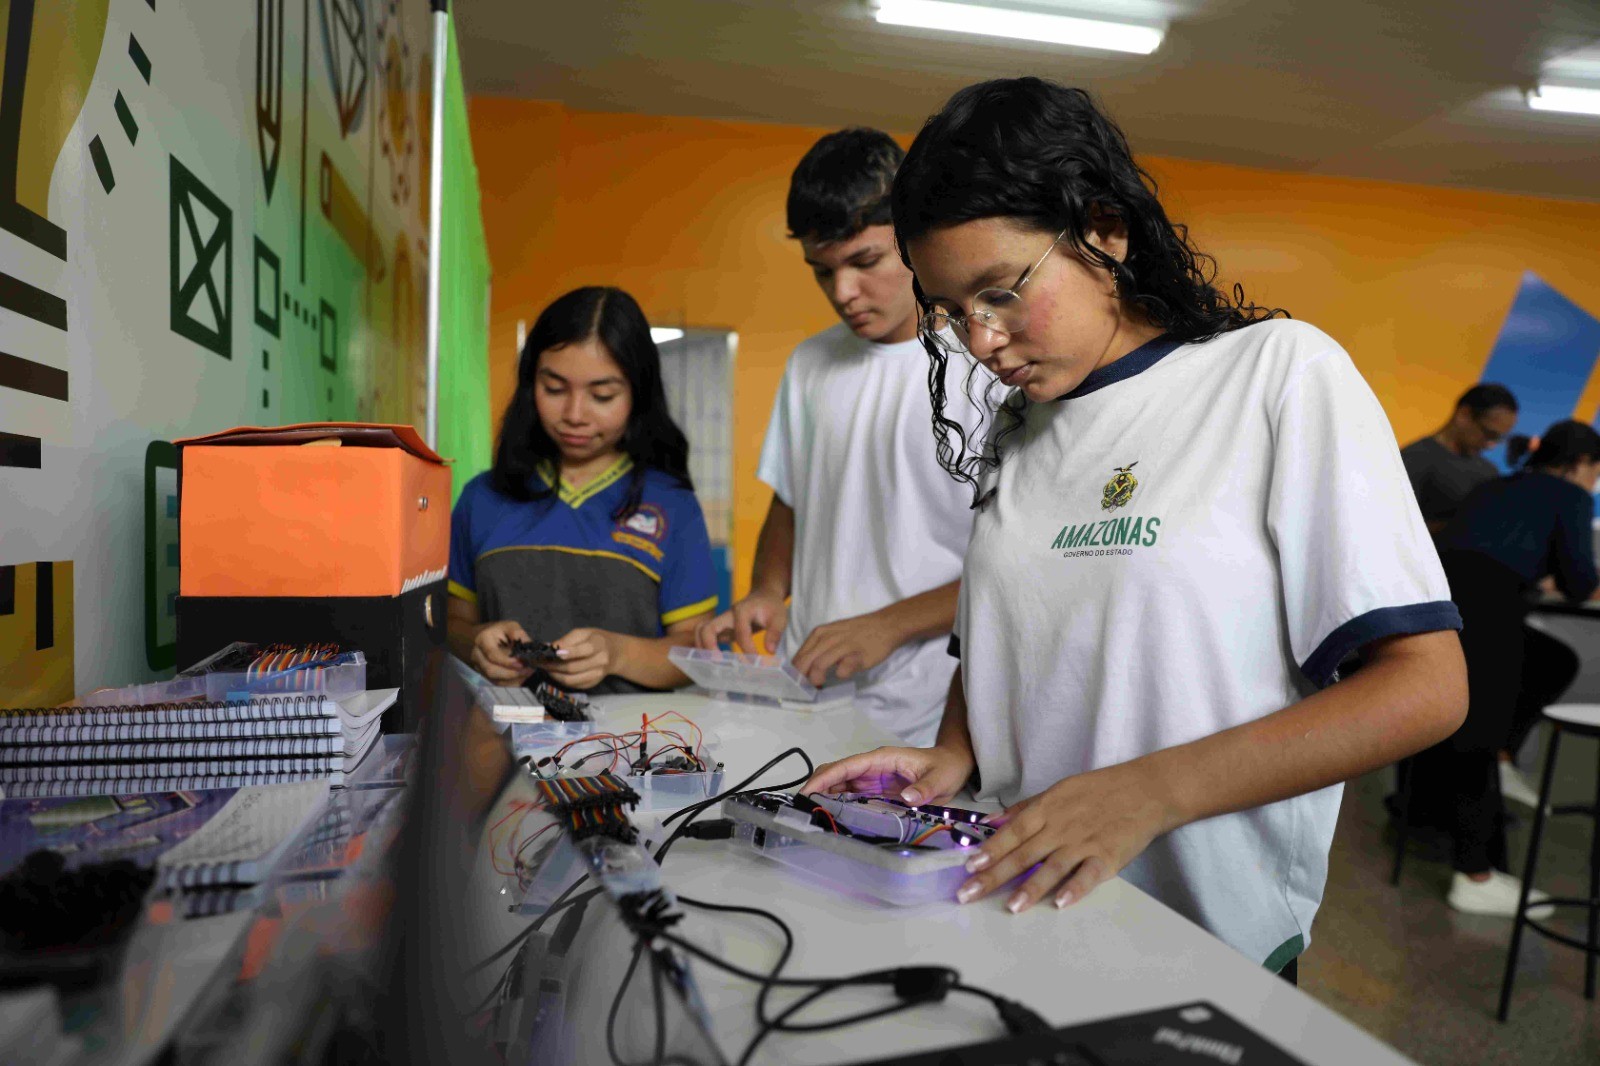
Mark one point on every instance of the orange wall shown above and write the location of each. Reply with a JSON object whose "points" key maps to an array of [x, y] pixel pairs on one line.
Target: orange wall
{"points": [[687, 215]]}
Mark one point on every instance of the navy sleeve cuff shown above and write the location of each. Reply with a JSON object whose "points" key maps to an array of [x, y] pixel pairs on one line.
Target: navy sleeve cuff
{"points": [[954, 647], [1375, 625]]}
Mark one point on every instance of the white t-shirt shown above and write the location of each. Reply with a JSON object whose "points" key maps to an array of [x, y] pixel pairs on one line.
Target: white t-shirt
{"points": [[1191, 540], [851, 449]]}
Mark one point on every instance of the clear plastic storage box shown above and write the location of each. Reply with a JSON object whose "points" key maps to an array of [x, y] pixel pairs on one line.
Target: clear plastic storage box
{"points": [[769, 679], [657, 791], [227, 676], [903, 875]]}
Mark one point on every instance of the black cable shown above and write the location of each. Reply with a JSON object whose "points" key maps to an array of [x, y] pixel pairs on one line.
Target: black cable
{"points": [[783, 957], [558, 904], [819, 988], [494, 992], [616, 1004], [510, 947], [777, 1024], [694, 810], [913, 985], [868, 977], [661, 1010]]}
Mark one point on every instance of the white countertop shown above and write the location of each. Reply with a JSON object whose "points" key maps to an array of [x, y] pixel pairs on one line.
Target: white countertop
{"points": [[1116, 952]]}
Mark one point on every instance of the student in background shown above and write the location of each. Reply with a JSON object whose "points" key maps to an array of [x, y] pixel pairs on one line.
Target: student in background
{"points": [[1509, 534], [865, 532], [1549, 666], [1188, 514], [586, 533], [1445, 467]]}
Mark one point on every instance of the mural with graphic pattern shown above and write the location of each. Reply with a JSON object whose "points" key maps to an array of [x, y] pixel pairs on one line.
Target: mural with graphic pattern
{"points": [[210, 215]]}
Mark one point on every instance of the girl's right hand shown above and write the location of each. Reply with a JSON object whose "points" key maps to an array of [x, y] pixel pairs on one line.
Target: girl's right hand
{"points": [[911, 775], [491, 653]]}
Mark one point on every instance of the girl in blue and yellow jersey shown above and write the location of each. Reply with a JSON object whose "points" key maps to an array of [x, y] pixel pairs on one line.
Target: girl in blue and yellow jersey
{"points": [[586, 533]]}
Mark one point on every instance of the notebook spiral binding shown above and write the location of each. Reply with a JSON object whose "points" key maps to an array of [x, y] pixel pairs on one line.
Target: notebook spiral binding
{"points": [[255, 707]]}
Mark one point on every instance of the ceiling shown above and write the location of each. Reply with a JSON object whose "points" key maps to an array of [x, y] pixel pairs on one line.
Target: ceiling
{"points": [[1423, 91]]}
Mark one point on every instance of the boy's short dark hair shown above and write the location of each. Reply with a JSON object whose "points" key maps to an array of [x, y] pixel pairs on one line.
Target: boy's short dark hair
{"points": [[1485, 397], [842, 185]]}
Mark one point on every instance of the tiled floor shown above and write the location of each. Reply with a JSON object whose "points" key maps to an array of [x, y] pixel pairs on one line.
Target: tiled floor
{"points": [[1402, 965]]}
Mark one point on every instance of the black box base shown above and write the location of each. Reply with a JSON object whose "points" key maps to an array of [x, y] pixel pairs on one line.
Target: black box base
{"points": [[396, 633]]}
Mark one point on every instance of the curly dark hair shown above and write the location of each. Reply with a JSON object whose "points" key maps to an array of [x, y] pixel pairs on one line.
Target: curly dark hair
{"points": [[1046, 156]]}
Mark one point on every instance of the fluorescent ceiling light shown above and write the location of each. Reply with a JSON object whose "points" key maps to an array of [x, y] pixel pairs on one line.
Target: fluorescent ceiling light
{"points": [[1565, 98], [1022, 25], [662, 334]]}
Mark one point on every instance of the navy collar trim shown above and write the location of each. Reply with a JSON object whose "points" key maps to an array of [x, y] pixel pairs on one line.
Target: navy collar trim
{"points": [[1135, 362]]}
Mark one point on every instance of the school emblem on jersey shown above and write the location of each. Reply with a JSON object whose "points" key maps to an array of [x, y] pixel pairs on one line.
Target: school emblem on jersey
{"points": [[644, 530], [1119, 490]]}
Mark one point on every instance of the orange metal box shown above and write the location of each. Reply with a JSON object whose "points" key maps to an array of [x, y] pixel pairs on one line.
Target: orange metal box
{"points": [[319, 510]]}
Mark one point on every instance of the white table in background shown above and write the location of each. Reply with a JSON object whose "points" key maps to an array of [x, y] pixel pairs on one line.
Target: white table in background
{"points": [[1578, 626], [1117, 952]]}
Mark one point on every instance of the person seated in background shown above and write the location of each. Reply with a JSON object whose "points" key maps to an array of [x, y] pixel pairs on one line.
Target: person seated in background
{"points": [[586, 533], [1506, 537], [1549, 666], [865, 531], [1445, 467]]}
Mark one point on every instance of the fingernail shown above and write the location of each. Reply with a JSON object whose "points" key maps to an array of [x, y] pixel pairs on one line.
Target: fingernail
{"points": [[1063, 899], [966, 893], [977, 862], [911, 796], [1016, 903]]}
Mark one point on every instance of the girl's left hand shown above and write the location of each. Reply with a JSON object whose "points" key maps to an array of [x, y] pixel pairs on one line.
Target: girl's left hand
{"points": [[1081, 831], [591, 656]]}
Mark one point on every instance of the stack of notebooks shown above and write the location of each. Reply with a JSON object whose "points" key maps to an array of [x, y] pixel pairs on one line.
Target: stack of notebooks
{"points": [[96, 751], [210, 851]]}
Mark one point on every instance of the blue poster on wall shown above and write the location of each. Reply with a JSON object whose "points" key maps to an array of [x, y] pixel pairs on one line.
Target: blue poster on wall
{"points": [[1545, 353]]}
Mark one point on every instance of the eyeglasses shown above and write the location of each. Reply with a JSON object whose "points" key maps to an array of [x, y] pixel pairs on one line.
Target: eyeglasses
{"points": [[997, 310]]}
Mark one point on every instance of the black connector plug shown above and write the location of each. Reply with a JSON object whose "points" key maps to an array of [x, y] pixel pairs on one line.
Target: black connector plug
{"points": [[715, 829], [924, 984], [1020, 1020]]}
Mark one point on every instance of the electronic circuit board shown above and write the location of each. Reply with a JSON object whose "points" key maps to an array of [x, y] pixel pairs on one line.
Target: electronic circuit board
{"points": [[897, 853]]}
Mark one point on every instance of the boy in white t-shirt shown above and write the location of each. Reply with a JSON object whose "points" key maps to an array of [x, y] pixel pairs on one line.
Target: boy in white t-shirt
{"points": [[866, 532]]}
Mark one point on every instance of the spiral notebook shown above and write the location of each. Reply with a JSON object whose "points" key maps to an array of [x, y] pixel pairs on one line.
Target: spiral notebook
{"points": [[66, 751], [353, 712], [247, 839]]}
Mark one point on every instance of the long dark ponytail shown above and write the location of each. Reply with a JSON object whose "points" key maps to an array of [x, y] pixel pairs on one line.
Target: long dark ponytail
{"points": [[1562, 446], [1047, 156], [652, 438]]}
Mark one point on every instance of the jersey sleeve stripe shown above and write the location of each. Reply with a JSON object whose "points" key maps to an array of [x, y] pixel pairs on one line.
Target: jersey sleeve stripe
{"points": [[1321, 666], [703, 607]]}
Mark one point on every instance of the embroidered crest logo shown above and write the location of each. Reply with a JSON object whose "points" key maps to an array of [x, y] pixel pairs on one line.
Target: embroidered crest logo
{"points": [[644, 530], [1119, 490], [646, 523]]}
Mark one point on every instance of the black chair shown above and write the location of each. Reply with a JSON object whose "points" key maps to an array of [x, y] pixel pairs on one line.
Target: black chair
{"points": [[1579, 719]]}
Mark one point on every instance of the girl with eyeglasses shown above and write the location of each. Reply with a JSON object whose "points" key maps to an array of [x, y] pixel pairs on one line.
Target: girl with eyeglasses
{"points": [[1190, 510], [586, 533]]}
